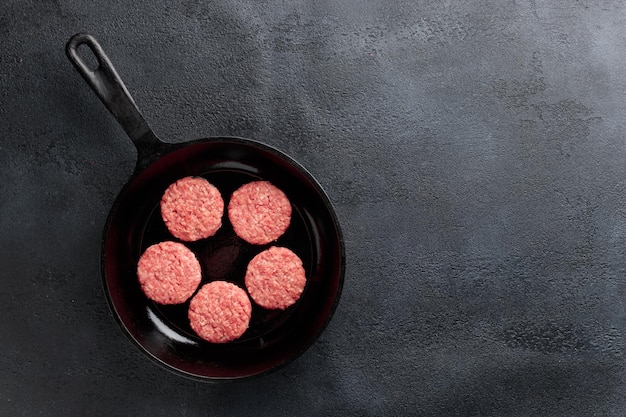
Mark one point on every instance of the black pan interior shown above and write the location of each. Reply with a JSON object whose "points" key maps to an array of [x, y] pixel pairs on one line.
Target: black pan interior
{"points": [[274, 337]]}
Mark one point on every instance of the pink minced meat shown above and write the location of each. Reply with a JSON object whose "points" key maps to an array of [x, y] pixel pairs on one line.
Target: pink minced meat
{"points": [[275, 278], [169, 273], [192, 209], [259, 212], [220, 312]]}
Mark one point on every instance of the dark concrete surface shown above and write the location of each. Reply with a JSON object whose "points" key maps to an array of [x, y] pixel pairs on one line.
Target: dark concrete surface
{"points": [[475, 152]]}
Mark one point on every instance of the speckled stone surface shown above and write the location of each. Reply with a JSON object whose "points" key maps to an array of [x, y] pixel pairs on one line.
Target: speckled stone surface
{"points": [[475, 153]]}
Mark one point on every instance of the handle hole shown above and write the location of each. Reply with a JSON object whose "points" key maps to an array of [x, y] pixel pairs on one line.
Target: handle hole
{"points": [[87, 56]]}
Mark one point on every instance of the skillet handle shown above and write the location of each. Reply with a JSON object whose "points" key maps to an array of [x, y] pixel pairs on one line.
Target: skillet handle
{"points": [[107, 84]]}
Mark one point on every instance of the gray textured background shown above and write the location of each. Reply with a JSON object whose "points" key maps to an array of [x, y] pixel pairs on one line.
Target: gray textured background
{"points": [[474, 151]]}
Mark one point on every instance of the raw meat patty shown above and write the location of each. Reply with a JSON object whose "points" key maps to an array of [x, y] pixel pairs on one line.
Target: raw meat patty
{"points": [[192, 209], [275, 278], [169, 273], [220, 312], [259, 212]]}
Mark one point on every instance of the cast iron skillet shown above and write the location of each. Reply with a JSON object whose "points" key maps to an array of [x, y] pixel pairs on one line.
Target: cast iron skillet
{"points": [[134, 223]]}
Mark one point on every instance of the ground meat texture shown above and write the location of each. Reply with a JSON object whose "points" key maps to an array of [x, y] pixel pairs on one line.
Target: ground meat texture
{"points": [[275, 278], [192, 209], [220, 312], [259, 212], [169, 273]]}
